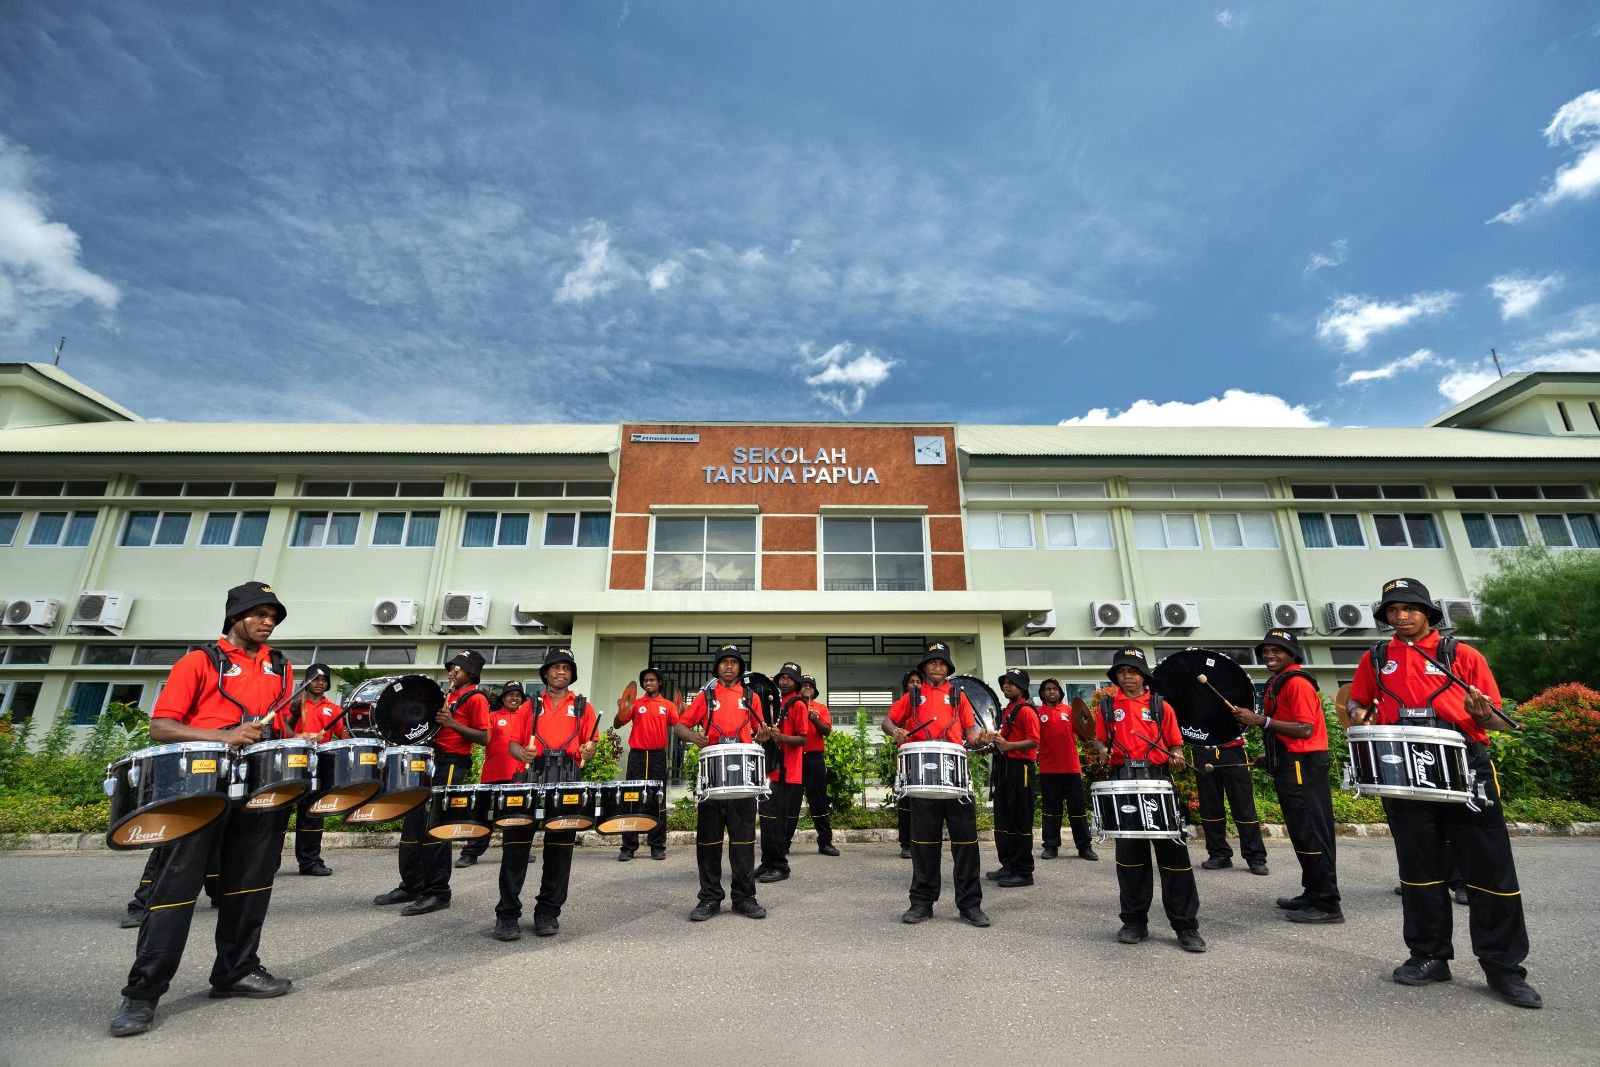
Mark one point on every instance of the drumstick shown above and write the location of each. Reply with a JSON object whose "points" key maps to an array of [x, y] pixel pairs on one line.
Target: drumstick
{"points": [[278, 705], [1456, 678], [1206, 682]]}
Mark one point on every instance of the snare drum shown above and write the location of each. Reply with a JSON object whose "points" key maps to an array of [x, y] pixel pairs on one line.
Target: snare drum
{"points": [[407, 784], [515, 803], [275, 774], [571, 806], [731, 772], [936, 769], [630, 807], [1410, 763], [459, 812], [349, 773], [1136, 808], [166, 792]]}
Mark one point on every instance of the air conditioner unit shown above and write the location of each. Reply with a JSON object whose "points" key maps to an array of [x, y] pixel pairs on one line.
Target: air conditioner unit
{"points": [[1041, 624], [1457, 612], [394, 612], [1287, 614], [37, 615], [102, 611], [1111, 615], [1176, 615], [464, 611], [1347, 615], [524, 621]]}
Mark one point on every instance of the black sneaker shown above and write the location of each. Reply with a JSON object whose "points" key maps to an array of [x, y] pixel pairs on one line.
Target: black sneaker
{"points": [[917, 913], [1012, 881], [1217, 863], [975, 916], [506, 929], [394, 896], [465, 860], [259, 984], [1422, 972], [624, 856], [827, 850], [1259, 868], [1088, 854], [1309, 914], [749, 908], [1513, 989], [704, 910], [1460, 895], [1049, 852], [132, 920], [905, 852], [658, 853], [133, 1017], [1291, 903], [424, 905], [999, 873], [545, 925], [1131, 934], [773, 874], [1191, 941], [317, 870]]}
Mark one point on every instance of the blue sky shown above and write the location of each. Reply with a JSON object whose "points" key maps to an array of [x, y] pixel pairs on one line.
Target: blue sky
{"points": [[1276, 213]]}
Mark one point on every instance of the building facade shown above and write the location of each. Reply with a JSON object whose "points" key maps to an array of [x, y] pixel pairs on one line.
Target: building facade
{"points": [[841, 546]]}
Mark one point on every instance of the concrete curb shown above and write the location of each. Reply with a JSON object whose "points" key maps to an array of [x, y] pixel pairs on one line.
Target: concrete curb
{"points": [[681, 838]]}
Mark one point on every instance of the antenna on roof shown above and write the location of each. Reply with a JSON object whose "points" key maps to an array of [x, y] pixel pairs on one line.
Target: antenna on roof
{"points": [[1492, 354], [59, 346]]}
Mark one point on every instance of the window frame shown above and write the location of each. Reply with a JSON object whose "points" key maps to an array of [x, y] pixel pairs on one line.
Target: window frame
{"points": [[1566, 518], [1078, 545], [405, 528], [1327, 522], [70, 517], [999, 516], [233, 530], [161, 517], [1166, 531], [499, 526], [577, 528], [8, 697], [328, 514], [1491, 524], [873, 553], [754, 552], [16, 527], [1406, 518], [112, 685], [1243, 545]]}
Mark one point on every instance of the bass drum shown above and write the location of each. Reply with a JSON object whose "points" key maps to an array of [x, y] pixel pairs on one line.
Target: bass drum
{"points": [[1203, 716], [358, 714], [406, 710], [986, 705]]}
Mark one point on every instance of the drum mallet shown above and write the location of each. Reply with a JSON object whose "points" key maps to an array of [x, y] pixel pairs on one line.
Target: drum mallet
{"points": [[1203, 680], [1456, 678]]}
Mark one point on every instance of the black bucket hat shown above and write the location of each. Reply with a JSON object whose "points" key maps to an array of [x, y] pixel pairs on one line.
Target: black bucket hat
{"points": [[469, 661], [242, 598], [730, 652], [1285, 640], [1129, 657], [806, 679], [905, 679], [940, 651], [1017, 677], [1408, 591], [660, 677], [319, 670], [793, 671], [1055, 682], [513, 687], [558, 655]]}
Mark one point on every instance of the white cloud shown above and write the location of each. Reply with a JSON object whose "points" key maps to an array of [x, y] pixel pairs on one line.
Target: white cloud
{"points": [[599, 267], [1332, 258], [1235, 407], [1420, 358], [1228, 19], [1520, 293], [1354, 320], [1567, 359], [1576, 124], [661, 276], [841, 379], [39, 257], [1458, 385]]}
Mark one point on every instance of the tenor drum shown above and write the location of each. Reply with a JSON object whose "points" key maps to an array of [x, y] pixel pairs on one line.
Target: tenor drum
{"points": [[936, 769], [571, 806], [275, 774], [1144, 808], [515, 803], [731, 772], [1409, 762], [407, 784], [349, 773], [459, 812], [630, 807], [166, 792]]}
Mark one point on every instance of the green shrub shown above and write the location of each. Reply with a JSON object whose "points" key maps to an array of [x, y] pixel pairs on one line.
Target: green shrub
{"points": [[1572, 721], [23, 813], [602, 766], [845, 760], [1550, 810], [1350, 808]]}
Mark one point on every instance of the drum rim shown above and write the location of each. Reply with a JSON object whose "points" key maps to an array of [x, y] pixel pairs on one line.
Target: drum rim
{"points": [[1413, 792], [1396, 732], [170, 748], [464, 787], [398, 749], [354, 742], [280, 743], [933, 746], [1133, 785], [728, 748]]}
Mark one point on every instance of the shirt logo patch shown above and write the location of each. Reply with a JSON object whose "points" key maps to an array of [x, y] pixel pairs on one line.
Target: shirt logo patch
{"points": [[1429, 668], [1117, 715], [1390, 666], [266, 668], [504, 722], [1146, 716], [233, 671]]}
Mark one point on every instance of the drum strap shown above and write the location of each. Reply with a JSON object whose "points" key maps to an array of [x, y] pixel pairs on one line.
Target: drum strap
{"points": [[1157, 709], [1275, 684], [1447, 656], [220, 661], [579, 702]]}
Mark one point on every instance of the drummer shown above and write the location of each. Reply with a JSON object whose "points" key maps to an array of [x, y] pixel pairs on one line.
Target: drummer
{"points": [[653, 717], [1060, 775], [814, 771], [222, 692], [1431, 837], [1013, 774], [1139, 733], [902, 805], [724, 712], [779, 811], [317, 719]]}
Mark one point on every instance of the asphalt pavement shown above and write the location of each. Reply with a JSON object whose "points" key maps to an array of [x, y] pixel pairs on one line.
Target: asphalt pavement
{"points": [[831, 976]]}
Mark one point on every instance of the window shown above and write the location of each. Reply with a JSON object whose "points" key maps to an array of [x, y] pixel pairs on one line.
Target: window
{"points": [[1036, 490], [1321, 529], [1569, 531], [9, 521], [1175, 529], [713, 553], [325, 529], [19, 699], [412, 529], [540, 489], [1000, 529], [62, 529], [342, 488], [352, 655], [507, 655], [495, 529], [240, 529], [1359, 492], [1243, 530], [873, 554], [1202, 490], [160, 528], [577, 529], [1077, 529], [1407, 531], [23, 655], [90, 699], [205, 489], [1039, 655], [1494, 531], [31, 488], [1521, 492], [1566, 419]]}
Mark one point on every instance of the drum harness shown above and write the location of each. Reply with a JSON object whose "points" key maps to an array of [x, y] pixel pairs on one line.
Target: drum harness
{"points": [[1275, 749], [1427, 716], [1005, 729], [914, 705], [280, 667], [1158, 708], [745, 701], [558, 760]]}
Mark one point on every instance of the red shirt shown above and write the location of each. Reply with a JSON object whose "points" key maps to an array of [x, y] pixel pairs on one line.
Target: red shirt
{"points": [[946, 713], [1058, 742], [1134, 729], [816, 740], [560, 726], [1024, 727], [795, 721], [1419, 684], [315, 715], [729, 721], [473, 712], [652, 719], [506, 726], [1297, 703], [192, 697]]}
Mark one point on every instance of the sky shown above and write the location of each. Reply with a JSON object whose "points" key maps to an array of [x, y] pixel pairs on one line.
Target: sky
{"points": [[1148, 213]]}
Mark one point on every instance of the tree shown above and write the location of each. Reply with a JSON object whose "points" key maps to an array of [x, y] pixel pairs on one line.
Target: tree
{"points": [[1539, 619]]}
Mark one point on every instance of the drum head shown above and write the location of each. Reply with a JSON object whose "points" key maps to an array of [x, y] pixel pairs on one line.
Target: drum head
{"points": [[167, 821], [1203, 718], [389, 806], [985, 704], [767, 690], [406, 709]]}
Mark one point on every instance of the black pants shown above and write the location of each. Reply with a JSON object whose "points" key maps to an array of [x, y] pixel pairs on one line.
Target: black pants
{"points": [[251, 844], [1430, 840], [1180, 898], [1307, 800], [1013, 782], [1231, 779], [929, 819], [734, 820], [1053, 790], [307, 836], [815, 777], [902, 812], [780, 814], [152, 867], [515, 844], [648, 764], [425, 861]]}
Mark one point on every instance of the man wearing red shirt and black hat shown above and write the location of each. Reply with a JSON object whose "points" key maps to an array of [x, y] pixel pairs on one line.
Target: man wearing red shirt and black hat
{"points": [[1012, 773], [1060, 775], [815, 765], [1296, 735], [729, 714], [1139, 732], [653, 717], [934, 711], [425, 860], [1228, 785], [780, 809], [1430, 837], [315, 718], [222, 692]]}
